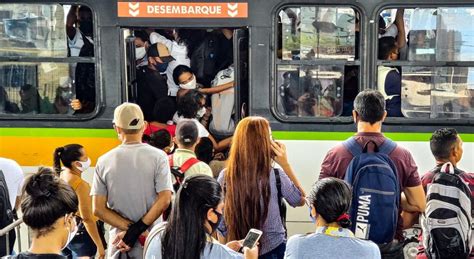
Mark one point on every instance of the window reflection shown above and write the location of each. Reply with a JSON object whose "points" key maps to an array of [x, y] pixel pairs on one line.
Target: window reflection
{"points": [[310, 91], [438, 92]]}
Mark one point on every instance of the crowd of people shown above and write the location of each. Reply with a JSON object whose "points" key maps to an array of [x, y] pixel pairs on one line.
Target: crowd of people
{"points": [[166, 202]]}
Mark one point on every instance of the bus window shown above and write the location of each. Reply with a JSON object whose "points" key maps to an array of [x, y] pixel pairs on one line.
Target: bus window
{"points": [[435, 77], [316, 52], [57, 41]]}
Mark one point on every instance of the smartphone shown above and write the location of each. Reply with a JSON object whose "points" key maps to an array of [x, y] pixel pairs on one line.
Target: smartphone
{"points": [[252, 238]]}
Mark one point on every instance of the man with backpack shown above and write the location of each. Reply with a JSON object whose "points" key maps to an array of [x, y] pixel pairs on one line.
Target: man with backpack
{"points": [[383, 176], [440, 241], [183, 162]]}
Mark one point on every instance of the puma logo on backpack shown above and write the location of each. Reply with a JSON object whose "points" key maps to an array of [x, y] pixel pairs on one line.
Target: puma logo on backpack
{"points": [[447, 221], [375, 191]]}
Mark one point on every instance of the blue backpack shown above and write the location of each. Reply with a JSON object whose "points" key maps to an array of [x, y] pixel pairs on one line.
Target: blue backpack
{"points": [[375, 191]]}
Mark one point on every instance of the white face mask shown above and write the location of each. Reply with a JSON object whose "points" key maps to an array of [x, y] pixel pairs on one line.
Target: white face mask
{"points": [[201, 112], [140, 53], [71, 233], [189, 85], [84, 165]]}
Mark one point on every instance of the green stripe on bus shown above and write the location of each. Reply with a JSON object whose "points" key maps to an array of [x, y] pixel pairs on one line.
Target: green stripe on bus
{"points": [[283, 135], [56, 132], [306, 135]]}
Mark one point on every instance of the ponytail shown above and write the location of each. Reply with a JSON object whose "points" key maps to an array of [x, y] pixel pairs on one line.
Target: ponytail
{"points": [[66, 155], [57, 159]]}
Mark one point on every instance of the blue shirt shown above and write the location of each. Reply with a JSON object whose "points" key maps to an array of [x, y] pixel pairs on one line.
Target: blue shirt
{"points": [[321, 245]]}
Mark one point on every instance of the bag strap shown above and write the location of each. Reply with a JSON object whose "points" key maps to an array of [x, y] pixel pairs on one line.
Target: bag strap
{"points": [[154, 232], [387, 146], [281, 205], [447, 168], [188, 164], [7, 198], [353, 147]]}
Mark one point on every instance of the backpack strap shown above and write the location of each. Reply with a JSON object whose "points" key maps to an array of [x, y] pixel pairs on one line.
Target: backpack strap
{"points": [[353, 147], [387, 146], [170, 160], [188, 164]]}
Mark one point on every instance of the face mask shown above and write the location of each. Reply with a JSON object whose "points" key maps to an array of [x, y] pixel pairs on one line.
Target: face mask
{"points": [[201, 112], [140, 53], [84, 165], [189, 85], [71, 233], [219, 220]]}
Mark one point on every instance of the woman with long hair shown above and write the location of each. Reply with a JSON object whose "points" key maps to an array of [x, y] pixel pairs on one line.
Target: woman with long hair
{"points": [[195, 216], [88, 240], [48, 206], [329, 201], [250, 183]]}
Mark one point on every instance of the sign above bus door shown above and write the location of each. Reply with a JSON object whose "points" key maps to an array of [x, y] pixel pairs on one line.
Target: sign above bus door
{"points": [[182, 10]]}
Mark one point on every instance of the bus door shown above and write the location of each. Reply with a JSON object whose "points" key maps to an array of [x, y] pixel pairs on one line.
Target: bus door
{"points": [[129, 71], [241, 63]]}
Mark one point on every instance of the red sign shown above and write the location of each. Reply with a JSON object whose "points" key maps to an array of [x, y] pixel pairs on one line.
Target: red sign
{"points": [[182, 10]]}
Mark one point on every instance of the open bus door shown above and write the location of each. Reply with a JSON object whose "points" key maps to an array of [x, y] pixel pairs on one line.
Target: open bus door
{"points": [[241, 67], [130, 89]]}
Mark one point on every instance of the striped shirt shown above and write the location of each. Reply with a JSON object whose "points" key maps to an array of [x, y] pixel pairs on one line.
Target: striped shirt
{"points": [[273, 229]]}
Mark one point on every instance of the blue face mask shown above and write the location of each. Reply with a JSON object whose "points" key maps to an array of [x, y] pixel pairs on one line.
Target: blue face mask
{"points": [[311, 216], [161, 67]]}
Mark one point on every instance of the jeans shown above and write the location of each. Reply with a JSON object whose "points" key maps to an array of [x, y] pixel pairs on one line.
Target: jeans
{"points": [[277, 253], [81, 245]]}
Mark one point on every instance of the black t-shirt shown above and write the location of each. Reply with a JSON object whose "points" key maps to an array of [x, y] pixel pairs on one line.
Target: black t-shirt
{"points": [[28, 255]]}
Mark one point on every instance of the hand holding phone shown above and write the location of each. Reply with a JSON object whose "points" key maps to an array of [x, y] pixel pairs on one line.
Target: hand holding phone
{"points": [[252, 238], [279, 152]]}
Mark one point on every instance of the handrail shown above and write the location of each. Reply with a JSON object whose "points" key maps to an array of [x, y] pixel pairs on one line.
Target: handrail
{"points": [[10, 227]]}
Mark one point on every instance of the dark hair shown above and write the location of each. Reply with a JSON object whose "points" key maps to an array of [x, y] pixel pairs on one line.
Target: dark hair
{"points": [[189, 104], [164, 110], [386, 47], [66, 155], [442, 142], [191, 39], [179, 70], [160, 139], [185, 234], [204, 150], [46, 198], [331, 197], [370, 106], [143, 35], [382, 23]]}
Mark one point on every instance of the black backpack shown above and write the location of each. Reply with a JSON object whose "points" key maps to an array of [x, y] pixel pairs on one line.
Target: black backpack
{"points": [[6, 217], [204, 60], [281, 202]]}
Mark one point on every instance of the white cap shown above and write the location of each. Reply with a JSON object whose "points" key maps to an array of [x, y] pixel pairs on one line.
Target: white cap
{"points": [[128, 116]]}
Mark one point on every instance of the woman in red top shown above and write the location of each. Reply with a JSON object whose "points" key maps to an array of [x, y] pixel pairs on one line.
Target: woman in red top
{"points": [[162, 117]]}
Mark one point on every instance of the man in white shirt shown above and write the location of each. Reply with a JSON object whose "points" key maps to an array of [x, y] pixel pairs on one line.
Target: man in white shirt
{"points": [[14, 178]]}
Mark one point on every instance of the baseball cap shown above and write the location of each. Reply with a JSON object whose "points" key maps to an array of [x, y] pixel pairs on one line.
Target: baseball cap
{"points": [[187, 132], [128, 116], [161, 51]]}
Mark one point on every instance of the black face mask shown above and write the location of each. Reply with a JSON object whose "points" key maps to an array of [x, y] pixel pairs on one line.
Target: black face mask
{"points": [[86, 27], [219, 220]]}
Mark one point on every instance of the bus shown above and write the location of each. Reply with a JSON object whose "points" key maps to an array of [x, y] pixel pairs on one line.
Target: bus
{"points": [[297, 63]]}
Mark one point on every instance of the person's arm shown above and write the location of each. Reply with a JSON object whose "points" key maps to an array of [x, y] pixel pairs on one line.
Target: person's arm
{"points": [[400, 23], [221, 145], [279, 149], [103, 212], [85, 210], [161, 204], [413, 199], [217, 89], [155, 37], [71, 19]]}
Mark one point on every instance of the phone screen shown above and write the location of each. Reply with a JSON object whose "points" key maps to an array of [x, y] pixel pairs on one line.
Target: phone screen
{"points": [[251, 239]]}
